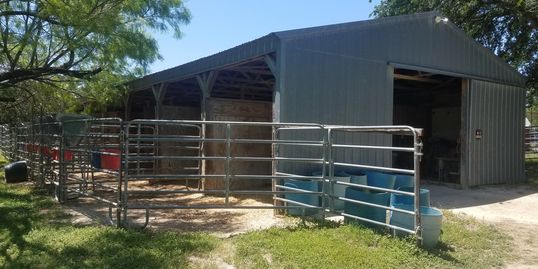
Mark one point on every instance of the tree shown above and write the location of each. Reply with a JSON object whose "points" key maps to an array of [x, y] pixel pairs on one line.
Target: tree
{"points": [[69, 42], [508, 27]]}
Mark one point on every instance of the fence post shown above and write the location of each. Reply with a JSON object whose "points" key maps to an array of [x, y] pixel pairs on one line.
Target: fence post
{"points": [[417, 157]]}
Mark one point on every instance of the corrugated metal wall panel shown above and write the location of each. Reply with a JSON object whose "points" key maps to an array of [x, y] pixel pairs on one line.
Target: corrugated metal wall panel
{"points": [[497, 110], [336, 89], [413, 40]]}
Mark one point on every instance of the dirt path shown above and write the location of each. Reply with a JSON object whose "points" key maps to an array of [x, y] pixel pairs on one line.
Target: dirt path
{"points": [[513, 209]]}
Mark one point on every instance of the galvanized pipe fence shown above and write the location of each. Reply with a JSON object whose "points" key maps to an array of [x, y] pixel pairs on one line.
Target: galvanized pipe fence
{"points": [[171, 164]]}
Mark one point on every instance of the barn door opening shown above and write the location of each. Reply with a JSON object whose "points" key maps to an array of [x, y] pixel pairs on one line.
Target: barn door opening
{"points": [[432, 102]]}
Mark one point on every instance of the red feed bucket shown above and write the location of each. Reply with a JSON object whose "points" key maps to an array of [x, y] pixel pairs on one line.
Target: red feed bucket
{"points": [[55, 154], [32, 148], [111, 162], [46, 151]]}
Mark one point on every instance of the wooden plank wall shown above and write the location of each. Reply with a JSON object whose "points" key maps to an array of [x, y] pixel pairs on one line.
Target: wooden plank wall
{"points": [[239, 110]]}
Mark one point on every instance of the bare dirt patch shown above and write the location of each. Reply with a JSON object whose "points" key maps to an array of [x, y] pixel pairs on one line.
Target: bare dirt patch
{"points": [[512, 209], [222, 222]]}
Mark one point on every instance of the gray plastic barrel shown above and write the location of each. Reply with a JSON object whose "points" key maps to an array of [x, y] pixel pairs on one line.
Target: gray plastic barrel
{"points": [[431, 219], [310, 199], [16, 172], [365, 211]]}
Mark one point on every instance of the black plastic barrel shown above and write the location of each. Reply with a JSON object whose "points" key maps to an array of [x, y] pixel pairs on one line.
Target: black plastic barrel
{"points": [[16, 172]]}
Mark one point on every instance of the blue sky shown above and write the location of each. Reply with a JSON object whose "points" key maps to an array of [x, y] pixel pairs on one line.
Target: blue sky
{"points": [[217, 25]]}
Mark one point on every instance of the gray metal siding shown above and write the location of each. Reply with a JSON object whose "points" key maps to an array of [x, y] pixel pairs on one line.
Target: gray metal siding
{"points": [[335, 89], [497, 110], [412, 40]]}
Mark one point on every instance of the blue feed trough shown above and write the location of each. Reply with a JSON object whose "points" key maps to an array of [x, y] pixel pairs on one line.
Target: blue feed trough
{"points": [[404, 181], [365, 211], [380, 180], [310, 199], [397, 198]]}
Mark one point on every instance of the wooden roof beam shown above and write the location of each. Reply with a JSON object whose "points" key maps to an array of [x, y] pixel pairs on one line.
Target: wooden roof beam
{"points": [[413, 78]]}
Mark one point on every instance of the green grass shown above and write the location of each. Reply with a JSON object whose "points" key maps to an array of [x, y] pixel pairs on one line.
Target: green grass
{"points": [[28, 239], [465, 243], [531, 167], [34, 233]]}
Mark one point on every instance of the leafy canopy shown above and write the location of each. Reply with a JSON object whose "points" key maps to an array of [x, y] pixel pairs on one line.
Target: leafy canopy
{"points": [[508, 27], [67, 43]]}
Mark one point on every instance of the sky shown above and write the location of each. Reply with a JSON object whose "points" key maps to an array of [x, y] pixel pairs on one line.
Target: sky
{"points": [[217, 25]]}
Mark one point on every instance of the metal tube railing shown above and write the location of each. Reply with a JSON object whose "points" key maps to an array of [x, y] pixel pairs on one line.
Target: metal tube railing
{"points": [[180, 146]]}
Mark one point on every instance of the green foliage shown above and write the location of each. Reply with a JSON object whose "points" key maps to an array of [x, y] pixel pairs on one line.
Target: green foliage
{"points": [[508, 28], [82, 48], [531, 167], [464, 243]]}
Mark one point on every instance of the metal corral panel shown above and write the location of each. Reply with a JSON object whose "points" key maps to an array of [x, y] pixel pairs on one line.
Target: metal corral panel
{"points": [[498, 111]]}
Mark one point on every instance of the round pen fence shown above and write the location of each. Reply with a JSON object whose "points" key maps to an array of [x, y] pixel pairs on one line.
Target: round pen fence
{"points": [[301, 169]]}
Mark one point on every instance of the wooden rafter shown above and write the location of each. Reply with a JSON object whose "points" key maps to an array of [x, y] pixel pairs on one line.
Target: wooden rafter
{"points": [[416, 78]]}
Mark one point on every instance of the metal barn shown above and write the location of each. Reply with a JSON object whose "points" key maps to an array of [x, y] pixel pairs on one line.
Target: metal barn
{"points": [[417, 70]]}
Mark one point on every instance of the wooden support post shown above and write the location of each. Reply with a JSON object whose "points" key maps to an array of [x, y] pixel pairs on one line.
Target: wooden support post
{"points": [[271, 62], [206, 82], [159, 91], [127, 105]]}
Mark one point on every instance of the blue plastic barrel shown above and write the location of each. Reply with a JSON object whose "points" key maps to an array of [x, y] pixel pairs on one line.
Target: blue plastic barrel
{"points": [[310, 199], [431, 219], [339, 190], [380, 180], [404, 181], [397, 198], [96, 160], [365, 211], [358, 178]]}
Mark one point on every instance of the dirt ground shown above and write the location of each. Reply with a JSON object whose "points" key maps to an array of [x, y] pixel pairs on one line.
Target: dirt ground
{"points": [[219, 222], [513, 209]]}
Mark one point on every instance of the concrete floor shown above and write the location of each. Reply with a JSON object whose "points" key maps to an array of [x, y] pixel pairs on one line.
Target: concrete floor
{"points": [[489, 203], [512, 209]]}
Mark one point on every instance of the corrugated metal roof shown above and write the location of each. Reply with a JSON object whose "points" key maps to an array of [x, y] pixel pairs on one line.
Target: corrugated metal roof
{"points": [[271, 42], [257, 47]]}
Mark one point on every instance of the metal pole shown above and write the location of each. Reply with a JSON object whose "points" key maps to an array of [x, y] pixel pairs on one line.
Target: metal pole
{"points": [[326, 150], [417, 157], [122, 196], [227, 164], [331, 170], [62, 169]]}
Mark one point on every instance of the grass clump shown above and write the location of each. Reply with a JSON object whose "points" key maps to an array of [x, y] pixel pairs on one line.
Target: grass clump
{"points": [[30, 238], [464, 243], [531, 167]]}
